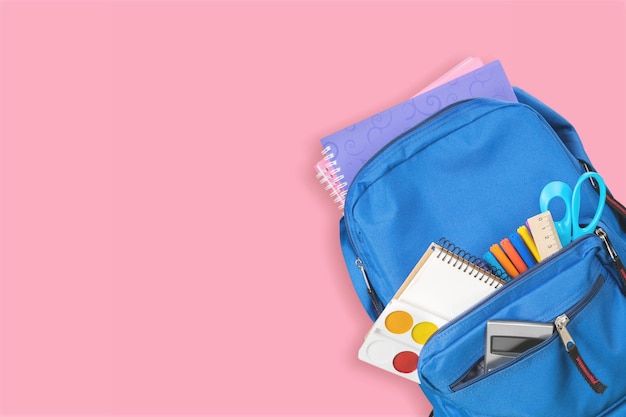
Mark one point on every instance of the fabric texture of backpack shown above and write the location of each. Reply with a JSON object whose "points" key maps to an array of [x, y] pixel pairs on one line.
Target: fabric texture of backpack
{"points": [[472, 173]]}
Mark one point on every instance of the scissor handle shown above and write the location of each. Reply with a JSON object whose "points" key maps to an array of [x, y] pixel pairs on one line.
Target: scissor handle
{"points": [[578, 231], [559, 189]]}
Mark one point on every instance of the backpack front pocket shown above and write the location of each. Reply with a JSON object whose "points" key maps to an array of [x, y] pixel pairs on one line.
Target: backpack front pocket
{"points": [[580, 364]]}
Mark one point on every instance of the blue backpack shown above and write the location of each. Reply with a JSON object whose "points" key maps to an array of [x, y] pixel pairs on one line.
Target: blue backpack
{"points": [[471, 173]]}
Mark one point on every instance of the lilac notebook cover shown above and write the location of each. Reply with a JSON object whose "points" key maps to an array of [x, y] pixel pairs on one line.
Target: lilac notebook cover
{"points": [[350, 148]]}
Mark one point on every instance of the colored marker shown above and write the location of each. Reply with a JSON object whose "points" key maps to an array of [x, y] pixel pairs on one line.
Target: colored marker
{"points": [[504, 260], [528, 240], [522, 249], [513, 256], [488, 256]]}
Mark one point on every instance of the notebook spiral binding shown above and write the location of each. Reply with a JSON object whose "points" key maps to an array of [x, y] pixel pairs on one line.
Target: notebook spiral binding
{"points": [[328, 173], [473, 265]]}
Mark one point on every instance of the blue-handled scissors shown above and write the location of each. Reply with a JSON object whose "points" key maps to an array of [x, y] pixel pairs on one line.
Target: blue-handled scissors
{"points": [[568, 227]]}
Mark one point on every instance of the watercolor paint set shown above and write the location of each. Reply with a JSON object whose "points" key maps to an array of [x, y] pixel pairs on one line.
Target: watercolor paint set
{"points": [[397, 338]]}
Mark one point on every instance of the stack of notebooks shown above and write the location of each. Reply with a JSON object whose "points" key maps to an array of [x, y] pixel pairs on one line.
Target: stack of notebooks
{"points": [[347, 150]]}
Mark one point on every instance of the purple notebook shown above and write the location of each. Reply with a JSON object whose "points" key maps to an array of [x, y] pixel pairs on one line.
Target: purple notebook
{"points": [[348, 149]]}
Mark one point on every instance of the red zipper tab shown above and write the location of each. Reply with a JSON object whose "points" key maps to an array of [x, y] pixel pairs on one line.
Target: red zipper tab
{"points": [[584, 370]]}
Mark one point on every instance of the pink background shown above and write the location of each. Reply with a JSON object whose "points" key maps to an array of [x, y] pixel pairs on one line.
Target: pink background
{"points": [[166, 248]]}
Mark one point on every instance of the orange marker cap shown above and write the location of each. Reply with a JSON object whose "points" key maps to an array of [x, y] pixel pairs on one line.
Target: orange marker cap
{"points": [[504, 260], [513, 255]]}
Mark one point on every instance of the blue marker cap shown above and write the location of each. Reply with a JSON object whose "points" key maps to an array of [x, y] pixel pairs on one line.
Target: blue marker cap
{"points": [[522, 249], [488, 256]]}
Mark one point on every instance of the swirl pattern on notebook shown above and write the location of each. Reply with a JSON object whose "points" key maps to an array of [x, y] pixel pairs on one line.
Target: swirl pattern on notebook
{"points": [[350, 148]]}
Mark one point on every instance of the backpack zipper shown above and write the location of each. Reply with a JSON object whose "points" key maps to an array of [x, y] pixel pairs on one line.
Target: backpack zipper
{"points": [[572, 350], [561, 322], [378, 304], [613, 255]]}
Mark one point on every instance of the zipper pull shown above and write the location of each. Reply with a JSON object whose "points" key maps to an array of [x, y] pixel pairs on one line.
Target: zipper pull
{"points": [[377, 304], [613, 254], [571, 349]]}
